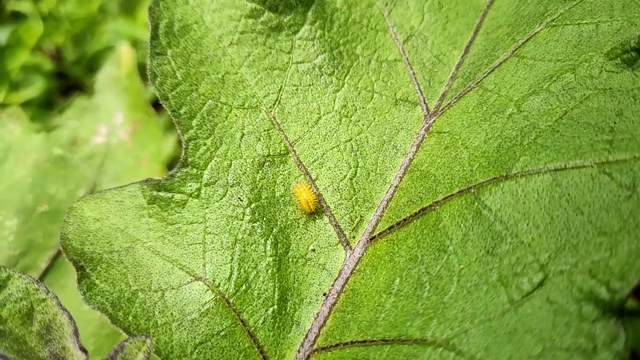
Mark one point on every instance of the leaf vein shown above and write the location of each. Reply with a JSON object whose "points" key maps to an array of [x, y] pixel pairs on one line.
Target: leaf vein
{"points": [[474, 84], [498, 179], [216, 291], [386, 342], [353, 258], [407, 62]]}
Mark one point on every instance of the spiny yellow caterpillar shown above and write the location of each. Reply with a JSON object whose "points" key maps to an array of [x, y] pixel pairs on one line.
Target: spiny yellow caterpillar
{"points": [[306, 198]]}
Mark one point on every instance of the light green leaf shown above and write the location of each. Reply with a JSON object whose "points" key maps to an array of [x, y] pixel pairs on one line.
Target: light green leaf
{"points": [[33, 323], [133, 348], [107, 140], [477, 164], [40, 180]]}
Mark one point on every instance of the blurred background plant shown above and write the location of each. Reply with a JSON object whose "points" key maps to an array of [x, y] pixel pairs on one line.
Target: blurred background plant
{"points": [[76, 116], [52, 49]]}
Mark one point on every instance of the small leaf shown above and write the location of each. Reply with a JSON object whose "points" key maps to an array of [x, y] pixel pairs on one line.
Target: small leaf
{"points": [[33, 323], [20, 29]]}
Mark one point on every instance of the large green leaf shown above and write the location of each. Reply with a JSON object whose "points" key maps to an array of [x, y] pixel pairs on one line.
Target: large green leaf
{"points": [[477, 164]]}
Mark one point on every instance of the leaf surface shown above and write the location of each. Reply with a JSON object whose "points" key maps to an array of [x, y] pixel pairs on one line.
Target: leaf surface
{"points": [[477, 166]]}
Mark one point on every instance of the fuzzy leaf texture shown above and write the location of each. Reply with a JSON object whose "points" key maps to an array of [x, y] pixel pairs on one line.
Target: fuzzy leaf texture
{"points": [[476, 164], [33, 323]]}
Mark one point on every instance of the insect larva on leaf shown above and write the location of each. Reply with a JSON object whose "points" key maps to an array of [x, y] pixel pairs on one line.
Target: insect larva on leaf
{"points": [[305, 197]]}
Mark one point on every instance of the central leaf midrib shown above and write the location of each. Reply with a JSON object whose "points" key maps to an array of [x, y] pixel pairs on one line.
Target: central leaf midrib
{"points": [[429, 118]]}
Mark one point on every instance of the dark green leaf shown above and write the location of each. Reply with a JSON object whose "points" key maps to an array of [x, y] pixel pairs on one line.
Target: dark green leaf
{"points": [[33, 323]]}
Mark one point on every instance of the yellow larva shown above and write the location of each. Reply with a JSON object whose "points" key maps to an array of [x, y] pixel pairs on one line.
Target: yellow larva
{"points": [[306, 198]]}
